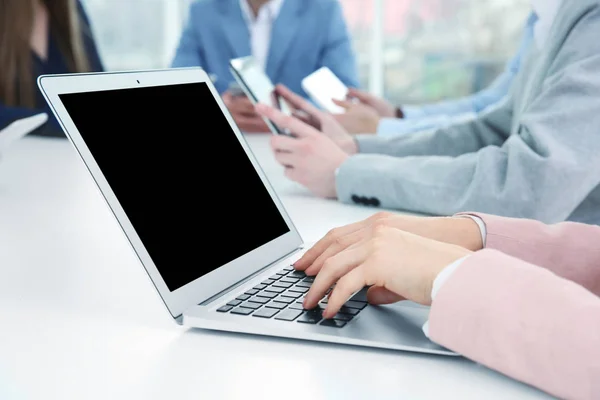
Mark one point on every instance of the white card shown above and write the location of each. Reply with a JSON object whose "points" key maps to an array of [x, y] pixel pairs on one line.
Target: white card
{"points": [[19, 128]]}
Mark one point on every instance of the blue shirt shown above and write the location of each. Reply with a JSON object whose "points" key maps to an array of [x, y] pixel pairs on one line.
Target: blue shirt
{"points": [[438, 115], [54, 64]]}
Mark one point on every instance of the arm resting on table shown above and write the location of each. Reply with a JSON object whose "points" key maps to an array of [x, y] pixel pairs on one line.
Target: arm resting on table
{"points": [[570, 250], [523, 321]]}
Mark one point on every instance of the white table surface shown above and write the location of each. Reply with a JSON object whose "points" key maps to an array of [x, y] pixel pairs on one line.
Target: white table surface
{"points": [[80, 319]]}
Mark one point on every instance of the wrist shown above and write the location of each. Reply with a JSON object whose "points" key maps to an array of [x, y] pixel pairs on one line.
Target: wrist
{"points": [[350, 145], [449, 257], [467, 233]]}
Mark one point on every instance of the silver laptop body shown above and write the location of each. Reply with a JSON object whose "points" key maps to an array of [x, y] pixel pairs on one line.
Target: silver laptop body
{"points": [[149, 140]]}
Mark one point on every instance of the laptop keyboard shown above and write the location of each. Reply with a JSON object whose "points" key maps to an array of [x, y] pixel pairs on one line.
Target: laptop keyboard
{"points": [[280, 297]]}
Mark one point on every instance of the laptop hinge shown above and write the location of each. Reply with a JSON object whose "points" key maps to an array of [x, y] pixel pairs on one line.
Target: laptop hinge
{"points": [[243, 281]]}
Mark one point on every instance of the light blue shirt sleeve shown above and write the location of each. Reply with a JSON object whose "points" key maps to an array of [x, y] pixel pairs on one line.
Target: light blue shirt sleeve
{"points": [[437, 115], [401, 126]]}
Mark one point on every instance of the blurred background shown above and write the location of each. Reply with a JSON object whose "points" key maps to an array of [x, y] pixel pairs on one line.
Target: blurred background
{"points": [[410, 51]]}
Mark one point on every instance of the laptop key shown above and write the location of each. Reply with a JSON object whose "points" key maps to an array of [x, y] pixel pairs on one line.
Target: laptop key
{"points": [[288, 315], [304, 284], [268, 295], [224, 308], [275, 277], [267, 282], [242, 297], [277, 305], [288, 269], [355, 304], [310, 279], [242, 311], [284, 285], [283, 299], [349, 311], [260, 300], [289, 280], [361, 295], [334, 323], [259, 287], [342, 317], [274, 289], [293, 295], [296, 306], [251, 292], [299, 289], [265, 312], [311, 317], [249, 304], [234, 303], [297, 274]]}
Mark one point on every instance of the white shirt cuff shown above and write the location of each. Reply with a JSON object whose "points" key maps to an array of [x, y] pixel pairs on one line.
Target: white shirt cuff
{"points": [[480, 224], [439, 281]]}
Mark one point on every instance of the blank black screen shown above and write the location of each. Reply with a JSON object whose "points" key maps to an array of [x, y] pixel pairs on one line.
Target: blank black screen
{"points": [[180, 173]]}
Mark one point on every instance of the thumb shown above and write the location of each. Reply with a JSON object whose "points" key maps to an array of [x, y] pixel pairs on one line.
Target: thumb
{"points": [[364, 97], [380, 295], [345, 104], [284, 121]]}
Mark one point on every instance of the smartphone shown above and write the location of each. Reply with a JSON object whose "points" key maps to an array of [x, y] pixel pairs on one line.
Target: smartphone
{"points": [[258, 87], [322, 86]]}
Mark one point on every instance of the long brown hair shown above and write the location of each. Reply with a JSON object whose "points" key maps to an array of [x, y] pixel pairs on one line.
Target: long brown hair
{"points": [[17, 85]]}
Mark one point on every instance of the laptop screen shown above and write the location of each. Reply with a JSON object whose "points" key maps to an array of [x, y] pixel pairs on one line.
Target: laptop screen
{"points": [[180, 174]]}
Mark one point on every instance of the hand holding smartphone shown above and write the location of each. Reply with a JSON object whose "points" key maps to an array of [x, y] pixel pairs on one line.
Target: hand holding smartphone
{"points": [[322, 86], [258, 87]]}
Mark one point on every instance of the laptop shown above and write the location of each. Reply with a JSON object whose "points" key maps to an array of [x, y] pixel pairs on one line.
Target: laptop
{"points": [[196, 208]]}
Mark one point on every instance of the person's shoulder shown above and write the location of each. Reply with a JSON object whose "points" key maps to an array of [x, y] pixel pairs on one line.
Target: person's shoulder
{"points": [[327, 6], [204, 8]]}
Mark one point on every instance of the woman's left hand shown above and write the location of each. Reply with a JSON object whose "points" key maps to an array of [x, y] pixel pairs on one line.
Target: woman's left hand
{"points": [[396, 264]]}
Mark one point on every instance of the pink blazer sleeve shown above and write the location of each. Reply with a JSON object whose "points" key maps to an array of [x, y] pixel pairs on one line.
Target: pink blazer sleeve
{"points": [[570, 250], [522, 320]]}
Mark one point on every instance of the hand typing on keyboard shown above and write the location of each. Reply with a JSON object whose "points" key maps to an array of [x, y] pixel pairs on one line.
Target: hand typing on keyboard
{"points": [[395, 264], [281, 298]]}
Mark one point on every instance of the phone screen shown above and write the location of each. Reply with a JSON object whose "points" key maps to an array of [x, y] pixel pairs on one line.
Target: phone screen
{"points": [[323, 86], [258, 87]]}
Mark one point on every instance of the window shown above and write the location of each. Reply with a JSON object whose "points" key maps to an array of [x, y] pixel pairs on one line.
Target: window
{"points": [[136, 34], [410, 51], [428, 50]]}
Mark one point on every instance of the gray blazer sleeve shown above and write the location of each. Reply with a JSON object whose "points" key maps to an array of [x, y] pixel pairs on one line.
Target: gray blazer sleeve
{"points": [[492, 128], [543, 171]]}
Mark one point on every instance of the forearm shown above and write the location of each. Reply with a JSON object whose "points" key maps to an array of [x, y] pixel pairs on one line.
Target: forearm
{"points": [[508, 181], [568, 249], [523, 321], [475, 103], [463, 136], [389, 127]]}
